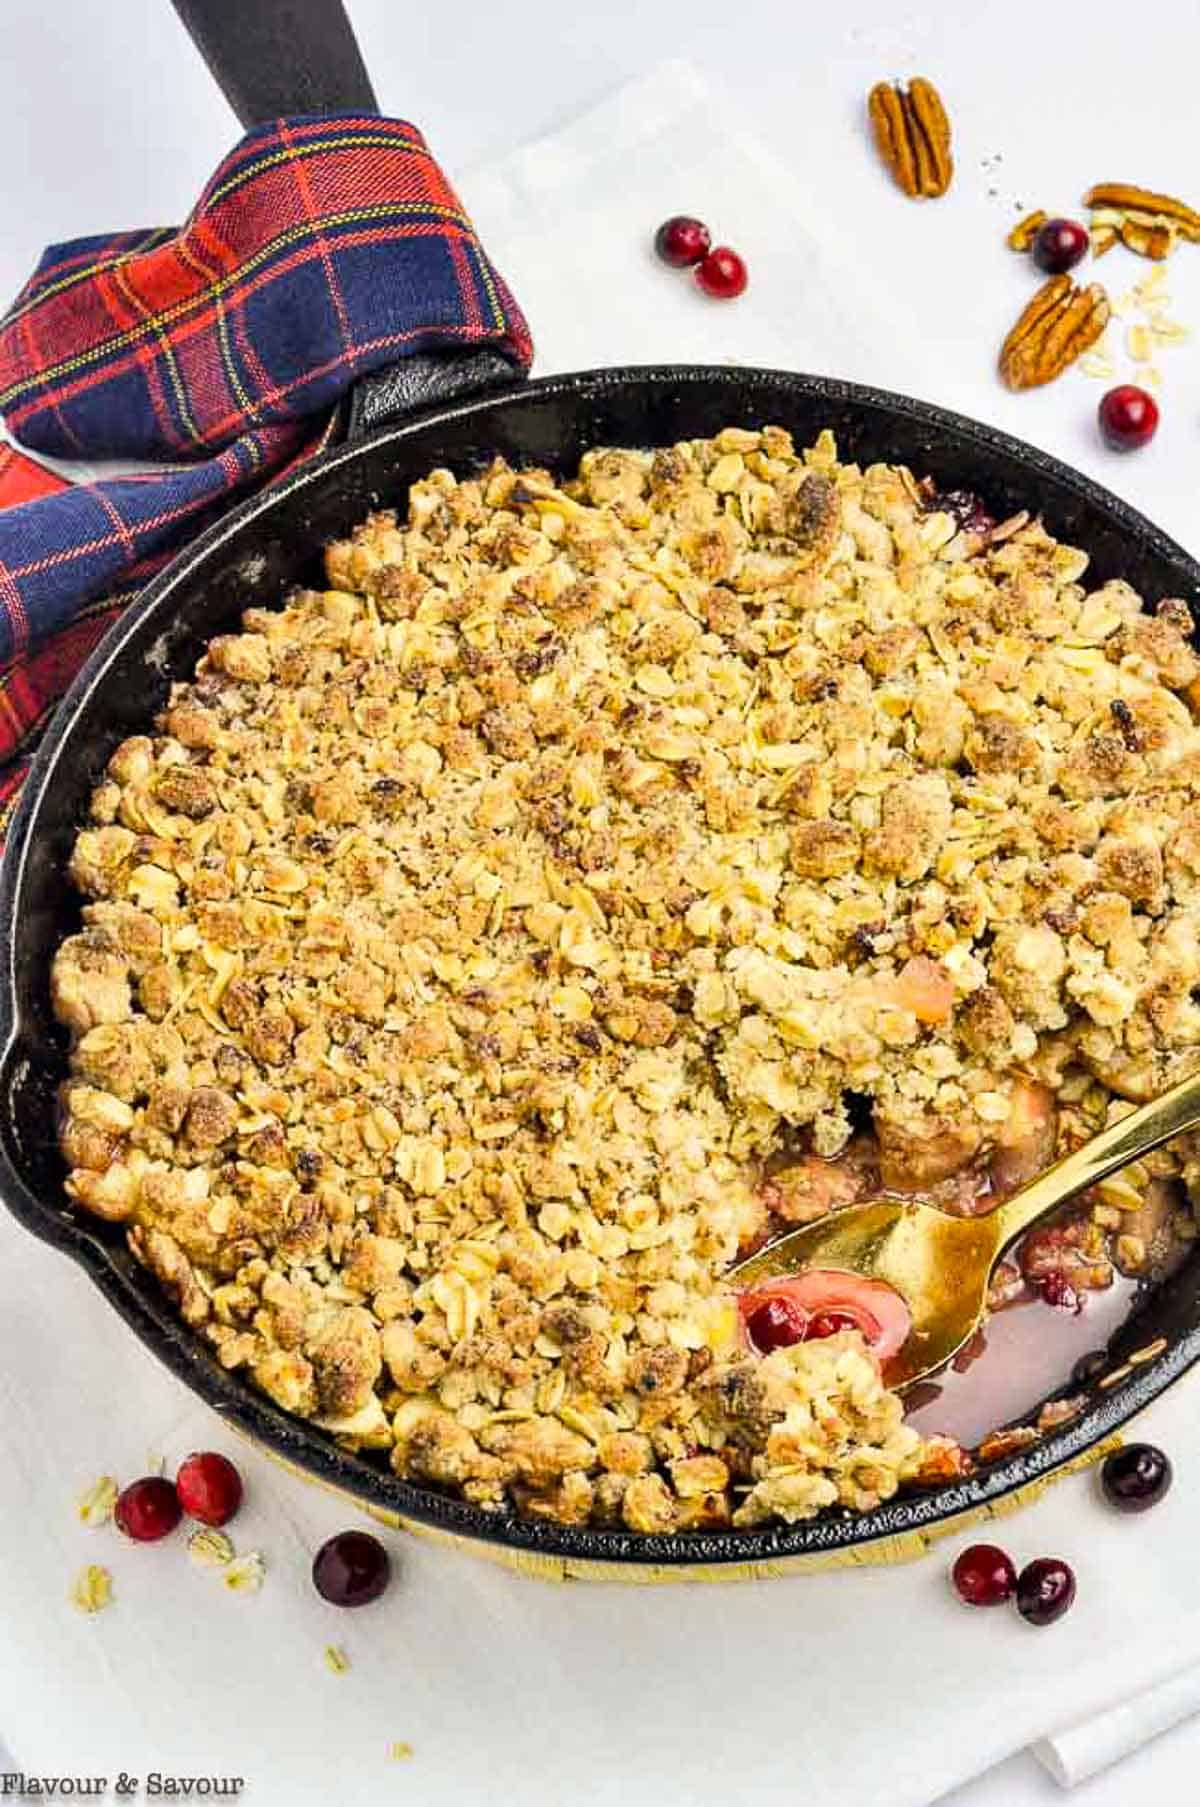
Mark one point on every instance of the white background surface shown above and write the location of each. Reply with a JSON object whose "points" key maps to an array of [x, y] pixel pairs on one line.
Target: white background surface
{"points": [[110, 120]]}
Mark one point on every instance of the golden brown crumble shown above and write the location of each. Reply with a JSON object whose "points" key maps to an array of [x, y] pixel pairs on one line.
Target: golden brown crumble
{"points": [[470, 933]]}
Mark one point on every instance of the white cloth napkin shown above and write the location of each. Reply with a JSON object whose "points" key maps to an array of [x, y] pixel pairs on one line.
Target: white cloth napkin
{"points": [[1079, 1751], [870, 1687]]}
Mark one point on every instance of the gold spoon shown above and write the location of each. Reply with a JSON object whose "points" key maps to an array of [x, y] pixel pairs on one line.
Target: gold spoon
{"points": [[941, 1265]]}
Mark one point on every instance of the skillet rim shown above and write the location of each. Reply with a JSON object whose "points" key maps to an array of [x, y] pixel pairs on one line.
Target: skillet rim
{"points": [[181, 1350]]}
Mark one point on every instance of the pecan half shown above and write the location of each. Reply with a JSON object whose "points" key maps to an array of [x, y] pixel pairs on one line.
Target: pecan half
{"points": [[912, 135], [1126, 197], [1060, 323], [1025, 231]]}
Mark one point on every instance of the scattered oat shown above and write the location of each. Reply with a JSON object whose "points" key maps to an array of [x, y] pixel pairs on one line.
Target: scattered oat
{"points": [[95, 1505], [1149, 376], [1167, 332], [156, 1463], [92, 1590], [1097, 366], [1137, 343], [245, 1574], [210, 1548], [1152, 285], [336, 1659], [399, 1751]]}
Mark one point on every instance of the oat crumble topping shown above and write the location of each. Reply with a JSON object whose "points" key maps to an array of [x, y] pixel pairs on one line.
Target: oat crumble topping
{"points": [[470, 935]]}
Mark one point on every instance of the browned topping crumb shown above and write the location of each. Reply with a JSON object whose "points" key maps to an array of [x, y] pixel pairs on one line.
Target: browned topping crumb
{"points": [[470, 934]]}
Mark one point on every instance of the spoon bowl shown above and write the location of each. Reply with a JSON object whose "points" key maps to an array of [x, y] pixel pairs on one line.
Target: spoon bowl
{"points": [[942, 1266]]}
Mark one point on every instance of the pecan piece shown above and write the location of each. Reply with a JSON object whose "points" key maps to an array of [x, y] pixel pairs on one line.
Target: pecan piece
{"points": [[1127, 198], [1060, 323], [1104, 237], [1025, 231], [1148, 237], [912, 135]]}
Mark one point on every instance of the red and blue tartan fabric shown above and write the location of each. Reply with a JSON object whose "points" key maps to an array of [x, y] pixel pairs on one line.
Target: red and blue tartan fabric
{"points": [[320, 250]]}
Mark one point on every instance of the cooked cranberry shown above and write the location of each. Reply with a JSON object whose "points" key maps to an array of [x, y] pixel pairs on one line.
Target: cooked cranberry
{"points": [[722, 274], [828, 1323], [1128, 418], [351, 1569], [1045, 1590], [1136, 1477], [1057, 1290], [966, 508], [776, 1324], [209, 1488], [682, 240], [147, 1509], [984, 1575], [1059, 246], [871, 1306]]}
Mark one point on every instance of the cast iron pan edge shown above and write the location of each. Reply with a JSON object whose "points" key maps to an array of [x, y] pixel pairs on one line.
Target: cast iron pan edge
{"points": [[685, 402]]}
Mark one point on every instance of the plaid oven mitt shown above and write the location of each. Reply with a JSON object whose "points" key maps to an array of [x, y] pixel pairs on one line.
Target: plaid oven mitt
{"points": [[320, 250]]}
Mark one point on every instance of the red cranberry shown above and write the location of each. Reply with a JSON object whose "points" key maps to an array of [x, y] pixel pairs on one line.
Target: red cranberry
{"points": [[351, 1569], [1057, 1290], [1128, 418], [209, 1488], [828, 1323], [722, 274], [966, 508], [984, 1575], [681, 241], [1045, 1590], [1059, 246], [777, 1324], [1136, 1477], [147, 1509]]}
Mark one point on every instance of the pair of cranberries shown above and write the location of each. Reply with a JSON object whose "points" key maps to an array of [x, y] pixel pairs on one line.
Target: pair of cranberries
{"points": [[985, 1575], [779, 1322], [207, 1487], [685, 242], [1128, 415]]}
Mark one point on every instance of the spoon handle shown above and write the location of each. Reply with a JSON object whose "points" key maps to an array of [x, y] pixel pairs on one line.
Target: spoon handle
{"points": [[1127, 1140]]}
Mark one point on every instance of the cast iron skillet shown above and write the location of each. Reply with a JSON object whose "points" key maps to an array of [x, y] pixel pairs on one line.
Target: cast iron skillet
{"points": [[273, 541], [266, 55]]}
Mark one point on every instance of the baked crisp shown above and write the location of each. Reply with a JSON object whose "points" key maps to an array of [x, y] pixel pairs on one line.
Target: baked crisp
{"points": [[487, 948]]}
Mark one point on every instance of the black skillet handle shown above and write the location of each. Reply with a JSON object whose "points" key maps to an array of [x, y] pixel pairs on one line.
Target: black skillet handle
{"points": [[274, 57]]}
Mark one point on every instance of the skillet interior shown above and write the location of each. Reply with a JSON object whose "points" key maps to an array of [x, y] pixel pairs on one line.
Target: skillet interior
{"points": [[273, 541]]}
